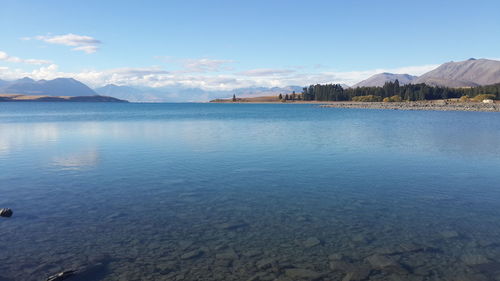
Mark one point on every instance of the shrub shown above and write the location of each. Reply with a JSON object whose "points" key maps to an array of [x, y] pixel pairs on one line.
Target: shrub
{"points": [[484, 97], [464, 98], [369, 98], [395, 98]]}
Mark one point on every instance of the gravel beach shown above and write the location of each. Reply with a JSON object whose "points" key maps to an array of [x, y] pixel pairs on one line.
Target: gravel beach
{"points": [[419, 105]]}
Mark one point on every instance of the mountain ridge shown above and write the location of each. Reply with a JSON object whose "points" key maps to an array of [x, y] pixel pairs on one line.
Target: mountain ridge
{"points": [[468, 73], [181, 94], [54, 87], [378, 80]]}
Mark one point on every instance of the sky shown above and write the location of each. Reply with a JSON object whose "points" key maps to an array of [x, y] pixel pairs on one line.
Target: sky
{"points": [[222, 45]]}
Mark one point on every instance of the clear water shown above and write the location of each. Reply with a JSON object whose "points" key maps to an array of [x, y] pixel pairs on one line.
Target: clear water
{"points": [[248, 192]]}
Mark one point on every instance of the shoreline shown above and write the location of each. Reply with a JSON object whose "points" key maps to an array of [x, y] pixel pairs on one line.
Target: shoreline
{"points": [[439, 105], [419, 105]]}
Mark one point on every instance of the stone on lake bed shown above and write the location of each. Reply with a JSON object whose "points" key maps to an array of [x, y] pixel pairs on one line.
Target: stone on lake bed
{"points": [[354, 271], [360, 238], [336, 257], [61, 275], [262, 276], [192, 254], [386, 263], [311, 242], [227, 255], [474, 259], [6, 212], [266, 263], [448, 234], [232, 226], [251, 253], [357, 275], [380, 261], [302, 274]]}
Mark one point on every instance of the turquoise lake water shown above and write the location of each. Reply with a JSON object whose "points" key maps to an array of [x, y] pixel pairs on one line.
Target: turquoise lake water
{"points": [[248, 192]]}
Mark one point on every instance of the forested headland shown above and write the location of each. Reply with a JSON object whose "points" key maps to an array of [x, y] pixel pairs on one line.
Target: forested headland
{"points": [[393, 91]]}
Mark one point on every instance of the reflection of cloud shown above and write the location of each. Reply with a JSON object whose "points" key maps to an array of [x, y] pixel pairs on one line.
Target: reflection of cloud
{"points": [[18, 135], [4, 146], [77, 161]]}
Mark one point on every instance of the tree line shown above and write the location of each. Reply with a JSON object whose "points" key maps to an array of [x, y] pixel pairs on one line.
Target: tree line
{"points": [[395, 91]]}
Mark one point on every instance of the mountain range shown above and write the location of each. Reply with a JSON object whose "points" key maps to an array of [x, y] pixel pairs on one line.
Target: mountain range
{"points": [[469, 73], [56, 87], [180, 94], [378, 80]]}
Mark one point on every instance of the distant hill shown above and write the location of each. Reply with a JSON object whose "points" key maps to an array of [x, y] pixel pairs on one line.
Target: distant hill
{"points": [[39, 98], [124, 92], [378, 80], [469, 73], [56, 87]]}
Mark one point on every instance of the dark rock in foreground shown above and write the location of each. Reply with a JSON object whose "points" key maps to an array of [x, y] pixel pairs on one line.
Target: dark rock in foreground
{"points": [[61, 275], [6, 212]]}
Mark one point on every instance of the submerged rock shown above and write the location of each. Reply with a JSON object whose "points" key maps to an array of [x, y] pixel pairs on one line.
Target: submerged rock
{"points": [[262, 276], [266, 263], [6, 212], [386, 263], [353, 271], [229, 254], [252, 253], [61, 275], [448, 234], [358, 275], [311, 242], [474, 259], [380, 261], [232, 225], [302, 274], [192, 254]]}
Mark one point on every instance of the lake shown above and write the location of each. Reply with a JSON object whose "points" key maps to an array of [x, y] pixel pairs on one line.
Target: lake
{"points": [[248, 192]]}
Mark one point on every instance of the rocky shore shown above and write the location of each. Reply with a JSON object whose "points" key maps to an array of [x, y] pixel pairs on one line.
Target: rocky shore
{"points": [[420, 105]]}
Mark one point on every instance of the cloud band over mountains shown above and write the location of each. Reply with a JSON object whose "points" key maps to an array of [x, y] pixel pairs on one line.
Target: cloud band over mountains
{"points": [[156, 76]]}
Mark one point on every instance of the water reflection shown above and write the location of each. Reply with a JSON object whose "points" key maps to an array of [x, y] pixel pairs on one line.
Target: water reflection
{"points": [[16, 136], [77, 160]]}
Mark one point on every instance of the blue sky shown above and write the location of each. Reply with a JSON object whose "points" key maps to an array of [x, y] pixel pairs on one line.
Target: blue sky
{"points": [[230, 44]]}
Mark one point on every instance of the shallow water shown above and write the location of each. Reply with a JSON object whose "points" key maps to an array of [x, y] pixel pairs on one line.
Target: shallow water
{"points": [[248, 192]]}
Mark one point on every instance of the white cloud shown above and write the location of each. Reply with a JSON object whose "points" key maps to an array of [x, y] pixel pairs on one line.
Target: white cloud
{"points": [[82, 43], [198, 65], [266, 72], [205, 65], [87, 49], [5, 57], [158, 77]]}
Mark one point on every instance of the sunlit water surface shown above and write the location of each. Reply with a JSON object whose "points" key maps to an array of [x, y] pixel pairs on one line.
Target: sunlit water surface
{"points": [[248, 192]]}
